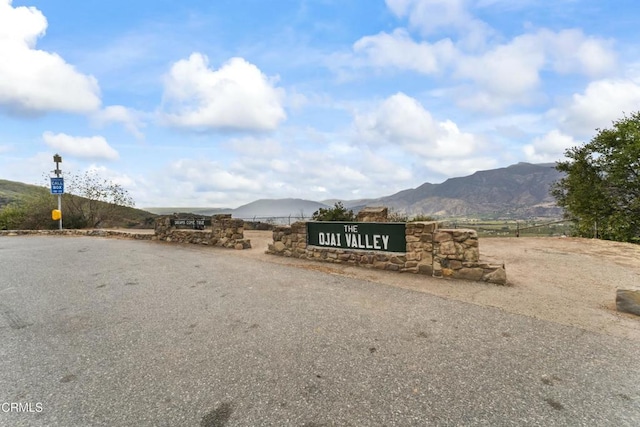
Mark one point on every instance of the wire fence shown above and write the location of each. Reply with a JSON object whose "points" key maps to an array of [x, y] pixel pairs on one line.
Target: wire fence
{"points": [[276, 220], [514, 228]]}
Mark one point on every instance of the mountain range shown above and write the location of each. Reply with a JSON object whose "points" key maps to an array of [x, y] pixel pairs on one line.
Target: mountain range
{"points": [[517, 191]]}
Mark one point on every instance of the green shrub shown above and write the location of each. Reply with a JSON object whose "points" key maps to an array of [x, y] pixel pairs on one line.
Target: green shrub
{"points": [[337, 213]]}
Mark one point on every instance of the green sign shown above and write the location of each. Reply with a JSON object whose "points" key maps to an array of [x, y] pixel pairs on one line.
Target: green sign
{"points": [[367, 236]]}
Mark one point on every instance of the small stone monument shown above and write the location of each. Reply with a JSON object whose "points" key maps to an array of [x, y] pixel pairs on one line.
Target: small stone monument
{"points": [[373, 214]]}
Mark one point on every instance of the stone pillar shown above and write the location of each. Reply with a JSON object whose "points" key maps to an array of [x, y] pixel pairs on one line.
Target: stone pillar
{"points": [[373, 214]]}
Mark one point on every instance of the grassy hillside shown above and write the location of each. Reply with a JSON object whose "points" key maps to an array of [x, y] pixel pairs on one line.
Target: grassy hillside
{"points": [[10, 191], [38, 203]]}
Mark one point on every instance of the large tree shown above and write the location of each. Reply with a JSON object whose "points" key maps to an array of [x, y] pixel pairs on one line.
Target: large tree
{"points": [[601, 188]]}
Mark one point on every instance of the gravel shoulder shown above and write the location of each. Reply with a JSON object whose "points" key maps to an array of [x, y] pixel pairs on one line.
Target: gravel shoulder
{"points": [[570, 281]]}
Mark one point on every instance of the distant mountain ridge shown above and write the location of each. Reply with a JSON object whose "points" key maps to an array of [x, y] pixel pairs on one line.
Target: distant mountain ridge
{"points": [[516, 191]]}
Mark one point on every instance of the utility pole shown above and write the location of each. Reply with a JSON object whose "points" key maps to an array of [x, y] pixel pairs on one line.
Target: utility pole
{"points": [[57, 160]]}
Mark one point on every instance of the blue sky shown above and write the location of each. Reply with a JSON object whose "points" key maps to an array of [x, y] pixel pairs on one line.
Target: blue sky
{"points": [[219, 103]]}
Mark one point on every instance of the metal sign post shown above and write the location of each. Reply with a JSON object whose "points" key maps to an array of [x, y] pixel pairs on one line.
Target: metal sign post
{"points": [[57, 186]]}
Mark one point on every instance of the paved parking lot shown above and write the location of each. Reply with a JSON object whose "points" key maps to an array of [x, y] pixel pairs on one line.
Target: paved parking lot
{"points": [[119, 333]]}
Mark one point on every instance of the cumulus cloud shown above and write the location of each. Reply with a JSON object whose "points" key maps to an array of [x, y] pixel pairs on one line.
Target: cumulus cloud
{"points": [[549, 147], [507, 70], [258, 147], [113, 176], [433, 16], [33, 81], [399, 50], [571, 51], [236, 96], [209, 175], [492, 75], [460, 167], [94, 147], [602, 102], [257, 168], [401, 121], [130, 119], [510, 72]]}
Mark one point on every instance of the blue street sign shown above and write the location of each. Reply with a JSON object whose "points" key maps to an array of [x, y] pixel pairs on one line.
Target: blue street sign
{"points": [[57, 185]]}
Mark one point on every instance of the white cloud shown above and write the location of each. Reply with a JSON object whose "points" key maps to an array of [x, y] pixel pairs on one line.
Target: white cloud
{"points": [[509, 73], [402, 122], [602, 102], [257, 168], [119, 178], [209, 175], [401, 51], [460, 167], [433, 16], [130, 119], [571, 51], [34, 81], [255, 147], [549, 147], [236, 96], [507, 70], [492, 75], [94, 147]]}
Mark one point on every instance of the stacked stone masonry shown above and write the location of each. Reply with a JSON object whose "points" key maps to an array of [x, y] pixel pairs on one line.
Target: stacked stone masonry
{"points": [[445, 253], [225, 232], [373, 214], [73, 232]]}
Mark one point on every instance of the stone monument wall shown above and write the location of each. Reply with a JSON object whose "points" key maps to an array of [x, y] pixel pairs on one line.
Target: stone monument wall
{"points": [[445, 253], [225, 232]]}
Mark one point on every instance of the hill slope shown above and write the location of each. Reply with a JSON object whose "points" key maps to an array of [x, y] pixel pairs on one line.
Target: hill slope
{"points": [[517, 191], [121, 217], [10, 191]]}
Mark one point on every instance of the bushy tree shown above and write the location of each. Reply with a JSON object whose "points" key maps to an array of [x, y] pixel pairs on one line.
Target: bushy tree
{"points": [[337, 213], [601, 188], [98, 202]]}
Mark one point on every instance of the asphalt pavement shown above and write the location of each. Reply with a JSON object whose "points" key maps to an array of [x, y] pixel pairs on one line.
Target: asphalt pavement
{"points": [[108, 332]]}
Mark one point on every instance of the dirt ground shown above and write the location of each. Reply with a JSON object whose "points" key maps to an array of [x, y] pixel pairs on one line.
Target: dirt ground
{"points": [[570, 281]]}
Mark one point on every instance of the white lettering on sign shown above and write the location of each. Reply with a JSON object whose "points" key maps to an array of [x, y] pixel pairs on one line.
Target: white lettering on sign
{"points": [[329, 239], [359, 241], [350, 228]]}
